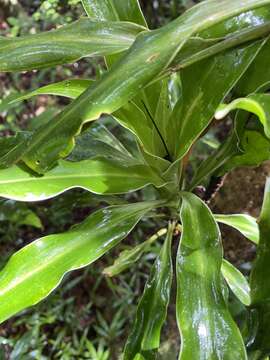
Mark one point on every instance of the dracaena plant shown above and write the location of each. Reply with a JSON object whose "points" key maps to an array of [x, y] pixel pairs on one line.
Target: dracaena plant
{"points": [[166, 87]]}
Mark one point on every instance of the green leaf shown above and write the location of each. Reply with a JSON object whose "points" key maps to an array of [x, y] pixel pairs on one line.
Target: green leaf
{"points": [[115, 10], [67, 44], [18, 214], [128, 257], [152, 308], [142, 64], [258, 104], [258, 75], [99, 141], [36, 270], [237, 282], [253, 150], [216, 160], [97, 175], [197, 106], [127, 116], [207, 328], [259, 280], [72, 88], [246, 224], [11, 147]]}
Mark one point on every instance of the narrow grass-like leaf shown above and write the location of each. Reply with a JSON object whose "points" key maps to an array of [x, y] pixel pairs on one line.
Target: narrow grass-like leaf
{"points": [[237, 282], [152, 309], [206, 326], [245, 224], [67, 44], [259, 280], [34, 271], [98, 175]]}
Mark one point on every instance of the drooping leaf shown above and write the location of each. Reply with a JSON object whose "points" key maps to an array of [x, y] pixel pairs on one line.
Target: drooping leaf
{"points": [[260, 286], [128, 257], [237, 282], [67, 44], [142, 64], [37, 269], [207, 328], [246, 224], [152, 309], [115, 10], [258, 104], [98, 175]]}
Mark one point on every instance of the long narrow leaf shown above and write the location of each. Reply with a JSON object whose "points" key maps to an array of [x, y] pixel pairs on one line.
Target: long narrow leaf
{"points": [[66, 44], [237, 282], [197, 106], [33, 272], [207, 328], [142, 64], [258, 104], [129, 257], [114, 10], [152, 309], [246, 224], [97, 175], [258, 75], [259, 281]]}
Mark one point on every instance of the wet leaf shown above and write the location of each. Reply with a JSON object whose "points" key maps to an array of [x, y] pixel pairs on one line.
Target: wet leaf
{"points": [[37, 269], [206, 326]]}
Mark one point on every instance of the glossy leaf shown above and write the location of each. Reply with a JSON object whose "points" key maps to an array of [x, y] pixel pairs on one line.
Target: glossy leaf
{"points": [[142, 64], [253, 150], [129, 257], [35, 271], [11, 147], [98, 175], [99, 141], [152, 308], [237, 282], [260, 286], [258, 104], [199, 48], [206, 326], [197, 106], [67, 44], [130, 116], [216, 160], [72, 89], [258, 75], [245, 224], [114, 10]]}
